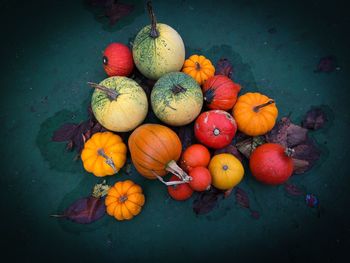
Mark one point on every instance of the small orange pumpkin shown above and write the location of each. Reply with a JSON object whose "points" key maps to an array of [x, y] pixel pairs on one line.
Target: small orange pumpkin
{"points": [[124, 200], [104, 154], [255, 114], [198, 67], [154, 150]]}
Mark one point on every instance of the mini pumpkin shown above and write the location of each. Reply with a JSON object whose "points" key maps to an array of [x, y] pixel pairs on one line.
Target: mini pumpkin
{"points": [[198, 67], [255, 114], [124, 200], [104, 154], [117, 60]]}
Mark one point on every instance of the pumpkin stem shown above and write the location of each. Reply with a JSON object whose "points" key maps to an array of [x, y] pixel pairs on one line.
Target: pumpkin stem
{"points": [[154, 32], [209, 95], [109, 160], [177, 89], [58, 216], [111, 93], [198, 66], [289, 152], [257, 108], [123, 198], [168, 183], [173, 168], [216, 131]]}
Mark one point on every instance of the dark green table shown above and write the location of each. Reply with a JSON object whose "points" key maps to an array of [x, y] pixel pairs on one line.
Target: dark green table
{"points": [[50, 49]]}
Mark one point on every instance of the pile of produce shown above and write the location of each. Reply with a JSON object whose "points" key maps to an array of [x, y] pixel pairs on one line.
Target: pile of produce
{"points": [[207, 128]]}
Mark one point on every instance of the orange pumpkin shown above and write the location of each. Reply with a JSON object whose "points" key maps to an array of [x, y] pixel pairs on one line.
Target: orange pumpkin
{"points": [[154, 150], [124, 200], [255, 114], [198, 67], [104, 154]]}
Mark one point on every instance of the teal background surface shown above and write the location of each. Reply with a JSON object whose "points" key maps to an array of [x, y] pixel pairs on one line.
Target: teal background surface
{"points": [[51, 49]]}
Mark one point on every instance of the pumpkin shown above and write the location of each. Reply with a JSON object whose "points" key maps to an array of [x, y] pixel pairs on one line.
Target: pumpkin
{"points": [[226, 171], [220, 92], [271, 163], [194, 156], [179, 192], [200, 179], [119, 104], [117, 60], [255, 114], [154, 150], [198, 67], [158, 49], [124, 200], [176, 99], [215, 128], [104, 154]]}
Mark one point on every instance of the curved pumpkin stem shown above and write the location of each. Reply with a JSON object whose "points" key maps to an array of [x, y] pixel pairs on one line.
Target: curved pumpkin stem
{"points": [[109, 160], [173, 168], [154, 32], [112, 94], [257, 108], [168, 183], [289, 152]]}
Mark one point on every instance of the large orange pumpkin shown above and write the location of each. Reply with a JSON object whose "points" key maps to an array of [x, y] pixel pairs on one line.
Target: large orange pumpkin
{"points": [[255, 114], [154, 150]]}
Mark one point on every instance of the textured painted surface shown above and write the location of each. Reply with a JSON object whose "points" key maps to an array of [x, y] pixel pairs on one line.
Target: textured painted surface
{"points": [[52, 48], [176, 99], [125, 112], [155, 57]]}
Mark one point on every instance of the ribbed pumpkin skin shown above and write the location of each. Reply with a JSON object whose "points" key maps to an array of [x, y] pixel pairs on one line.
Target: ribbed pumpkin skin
{"points": [[117, 60], [155, 57], [152, 147], [127, 111], [112, 146], [198, 67], [124, 200], [220, 92], [180, 108], [254, 123]]}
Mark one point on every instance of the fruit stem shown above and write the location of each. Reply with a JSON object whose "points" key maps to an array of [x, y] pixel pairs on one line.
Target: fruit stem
{"points": [[154, 32], [198, 66], [257, 108], [216, 131], [178, 88], [167, 183], [109, 160], [112, 94], [289, 152], [173, 168]]}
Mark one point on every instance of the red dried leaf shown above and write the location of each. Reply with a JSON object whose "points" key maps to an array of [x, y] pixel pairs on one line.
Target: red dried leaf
{"points": [[85, 210], [228, 192], [315, 119], [206, 201], [242, 198], [224, 67], [292, 189], [300, 166], [65, 132]]}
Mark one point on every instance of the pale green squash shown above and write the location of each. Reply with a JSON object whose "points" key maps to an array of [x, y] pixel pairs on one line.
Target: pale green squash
{"points": [[176, 99]]}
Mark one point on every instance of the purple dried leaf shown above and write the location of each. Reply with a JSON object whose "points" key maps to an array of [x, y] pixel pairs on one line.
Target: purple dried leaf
{"points": [[206, 201], [292, 189], [228, 192], [247, 146], [300, 166], [306, 152], [230, 149], [327, 64], [65, 132], [186, 135], [117, 11], [279, 133], [85, 210], [295, 135], [224, 67], [315, 119], [242, 198]]}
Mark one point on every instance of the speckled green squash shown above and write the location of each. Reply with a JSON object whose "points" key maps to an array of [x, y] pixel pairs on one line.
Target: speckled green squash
{"points": [[125, 112], [155, 57], [176, 99]]}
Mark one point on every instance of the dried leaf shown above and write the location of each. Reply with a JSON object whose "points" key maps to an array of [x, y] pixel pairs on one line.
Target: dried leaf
{"points": [[65, 132], [230, 149], [85, 210], [292, 189], [327, 64], [306, 152], [295, 135], [242, 198], [116, 11], [247, 146], [315, 119], [228, 192], [279, 133], [206, 201], [300, 166], [224, 67]]}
